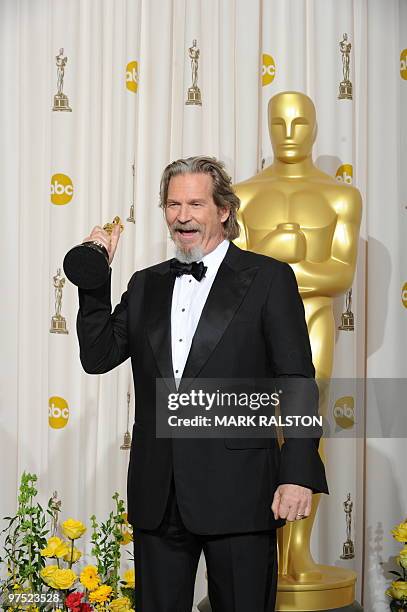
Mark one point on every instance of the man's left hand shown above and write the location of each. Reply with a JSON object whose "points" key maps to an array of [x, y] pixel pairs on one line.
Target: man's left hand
{"points": [[291, 502]]}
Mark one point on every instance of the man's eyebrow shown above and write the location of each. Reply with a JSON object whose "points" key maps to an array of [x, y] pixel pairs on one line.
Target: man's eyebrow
{"points": [[170, 200]]}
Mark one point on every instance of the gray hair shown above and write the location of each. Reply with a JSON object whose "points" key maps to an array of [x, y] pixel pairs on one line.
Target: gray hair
{"points": [[223, 194]]}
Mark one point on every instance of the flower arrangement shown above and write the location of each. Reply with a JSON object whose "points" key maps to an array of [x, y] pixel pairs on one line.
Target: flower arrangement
{"points": [[398, 589], [43, 570]]}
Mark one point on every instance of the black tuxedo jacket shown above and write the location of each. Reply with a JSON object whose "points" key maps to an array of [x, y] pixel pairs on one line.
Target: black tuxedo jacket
{"points": [[252, 326]]}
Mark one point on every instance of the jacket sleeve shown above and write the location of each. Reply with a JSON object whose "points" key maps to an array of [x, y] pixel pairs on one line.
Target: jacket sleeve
{"points": [[102, 335], [290, 354]]}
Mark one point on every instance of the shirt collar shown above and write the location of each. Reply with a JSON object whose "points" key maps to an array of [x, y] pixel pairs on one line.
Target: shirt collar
{"points": [[213, 259]]}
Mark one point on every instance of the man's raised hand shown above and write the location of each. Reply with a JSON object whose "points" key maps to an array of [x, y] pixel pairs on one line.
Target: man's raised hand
{"points": [[108, 241]]}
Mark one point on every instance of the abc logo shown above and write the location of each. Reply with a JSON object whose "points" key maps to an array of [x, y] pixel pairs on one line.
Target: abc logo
{"points": [[132, 76], [344, 412], [403, 64], [269, 70], [61, 189], [58, 412], [404, 295], [344, 174]]}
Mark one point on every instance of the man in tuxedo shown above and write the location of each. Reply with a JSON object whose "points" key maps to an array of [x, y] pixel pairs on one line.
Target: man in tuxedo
{"points": [[212, 312]]}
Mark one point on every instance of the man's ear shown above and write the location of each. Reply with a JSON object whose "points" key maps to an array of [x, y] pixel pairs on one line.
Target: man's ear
{"points": [[224, 214]]}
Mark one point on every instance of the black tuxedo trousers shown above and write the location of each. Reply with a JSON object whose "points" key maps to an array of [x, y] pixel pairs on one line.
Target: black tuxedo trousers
{"points": [[242, 568], [252, 326]]}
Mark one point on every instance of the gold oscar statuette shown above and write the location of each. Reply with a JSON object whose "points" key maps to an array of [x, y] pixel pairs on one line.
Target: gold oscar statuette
{"points": [[58, 322], [296, 213], [194, 93], [87, 265], [61, 102], [345, 86]]}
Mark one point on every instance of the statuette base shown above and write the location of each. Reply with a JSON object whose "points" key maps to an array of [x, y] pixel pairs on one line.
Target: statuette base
{"points": [[194, 96], [87, 265], [61, 103], [345, 90], [58, 325], [348, 322], [348, 551]]}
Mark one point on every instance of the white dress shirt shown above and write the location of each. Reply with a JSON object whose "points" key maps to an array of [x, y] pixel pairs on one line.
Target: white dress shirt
{"points": [[188, 299]]}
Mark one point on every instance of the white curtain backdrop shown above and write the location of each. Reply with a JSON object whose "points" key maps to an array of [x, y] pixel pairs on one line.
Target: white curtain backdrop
{"points": [[126, 79]]}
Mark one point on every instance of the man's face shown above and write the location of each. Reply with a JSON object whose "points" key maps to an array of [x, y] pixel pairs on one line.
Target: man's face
{"points": [[194, 220], [292, 127]]}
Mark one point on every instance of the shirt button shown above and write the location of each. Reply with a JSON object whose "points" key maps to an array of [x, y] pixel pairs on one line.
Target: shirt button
{"points": [[180, 339], [190, 280], [183, 310], [176, 371]]}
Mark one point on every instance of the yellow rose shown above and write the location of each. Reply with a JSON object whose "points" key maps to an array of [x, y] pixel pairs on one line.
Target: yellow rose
{"points": [[400, 532], [89, 578], [121, 604], [101, 594], [75, 557], [129, 578], [61, 550], [47, 574], [73, 529], [63, 578], [402, 558], [52, 544], [398, 590]]}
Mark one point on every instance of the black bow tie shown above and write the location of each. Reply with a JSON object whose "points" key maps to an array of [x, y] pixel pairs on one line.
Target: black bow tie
{"points": [[196, 269]]}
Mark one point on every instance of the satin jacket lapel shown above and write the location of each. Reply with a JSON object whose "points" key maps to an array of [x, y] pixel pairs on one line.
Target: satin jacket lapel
{"points": [[159, 297], [226, 294]]}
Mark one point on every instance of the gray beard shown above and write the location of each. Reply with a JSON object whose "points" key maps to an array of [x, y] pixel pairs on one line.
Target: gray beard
{"points": [[190, 255]]}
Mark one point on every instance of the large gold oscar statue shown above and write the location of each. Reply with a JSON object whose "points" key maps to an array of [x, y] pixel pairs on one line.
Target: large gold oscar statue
{"points": [[294, 212]]}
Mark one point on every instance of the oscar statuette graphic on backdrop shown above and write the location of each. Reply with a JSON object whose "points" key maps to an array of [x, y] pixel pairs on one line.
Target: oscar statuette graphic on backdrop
{"points": [[194, 93], [61, 102], [130, 218], [348, 547], [345, 86], [58, 322]]}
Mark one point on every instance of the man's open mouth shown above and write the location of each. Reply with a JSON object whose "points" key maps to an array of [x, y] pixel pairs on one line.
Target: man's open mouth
{"points": [[187, 232]]}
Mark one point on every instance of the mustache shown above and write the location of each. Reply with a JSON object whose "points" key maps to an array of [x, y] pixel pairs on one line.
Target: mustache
{"points": [[185, 226]]}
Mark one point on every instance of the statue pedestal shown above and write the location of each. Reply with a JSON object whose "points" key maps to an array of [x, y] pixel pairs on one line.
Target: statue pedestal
{"points": [[334, 591], [205, 606], [335, 588]]}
